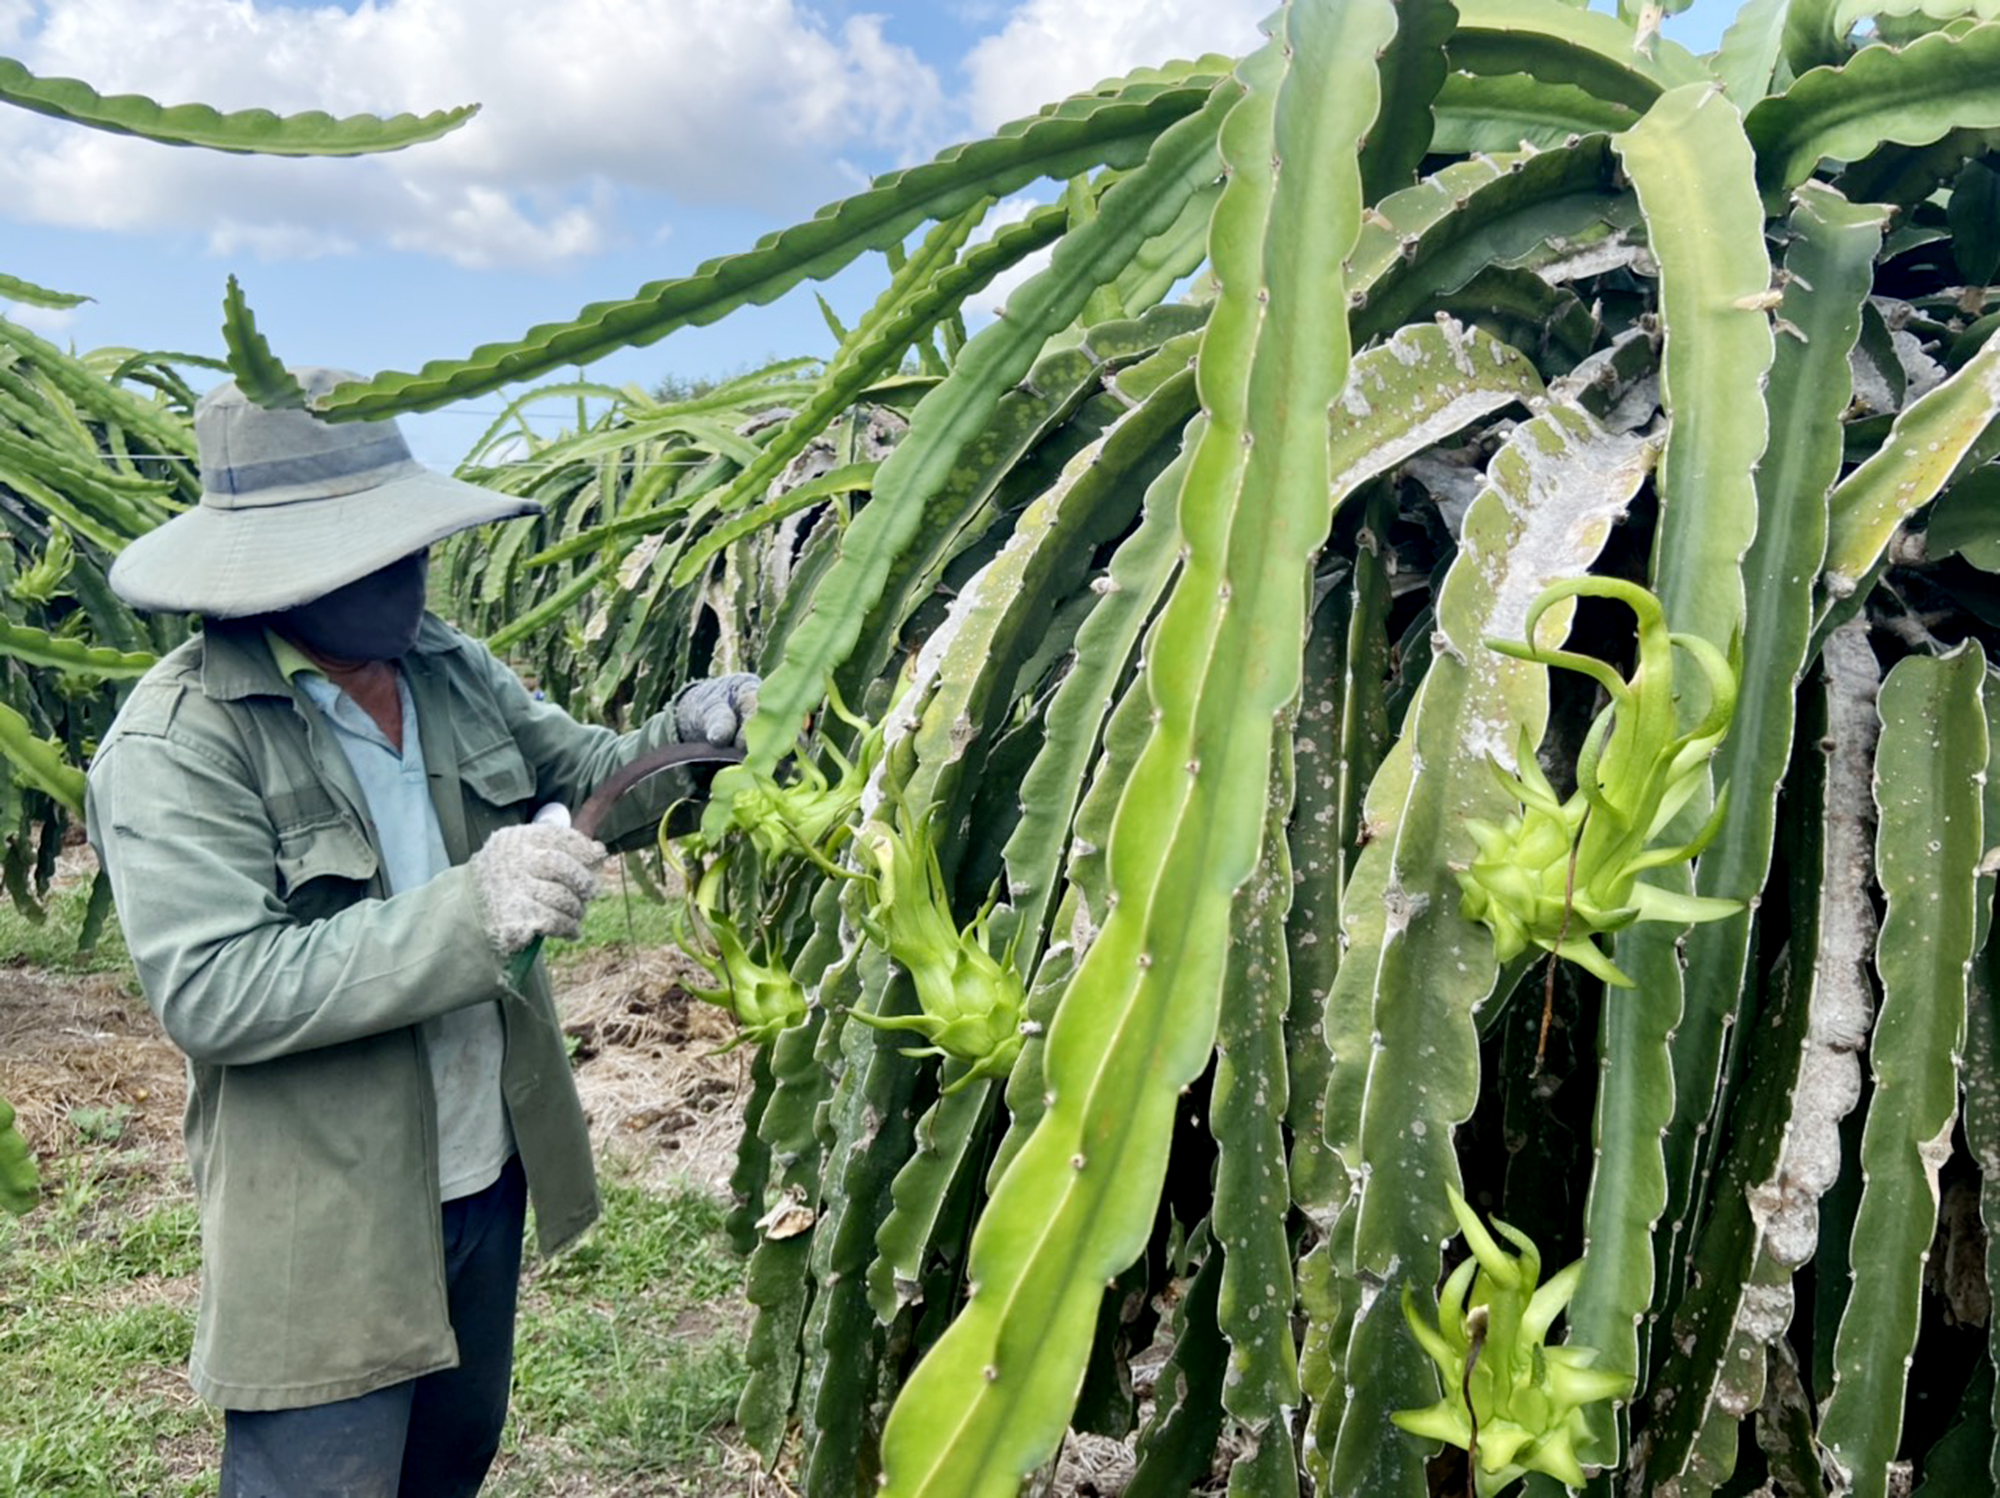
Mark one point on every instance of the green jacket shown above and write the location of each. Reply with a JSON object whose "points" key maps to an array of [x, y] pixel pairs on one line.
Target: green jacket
{"points": [[247, 878]]}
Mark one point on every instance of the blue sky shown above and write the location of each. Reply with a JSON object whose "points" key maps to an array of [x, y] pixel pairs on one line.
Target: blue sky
{"points": [[619, 141]]}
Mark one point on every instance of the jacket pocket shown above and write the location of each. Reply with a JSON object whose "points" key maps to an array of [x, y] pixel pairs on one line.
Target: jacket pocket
{"points": [[320, 864], [497, 775]]}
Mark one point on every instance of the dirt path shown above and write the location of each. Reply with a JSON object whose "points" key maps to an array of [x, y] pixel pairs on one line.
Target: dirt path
{"points": [[659, 1093]]}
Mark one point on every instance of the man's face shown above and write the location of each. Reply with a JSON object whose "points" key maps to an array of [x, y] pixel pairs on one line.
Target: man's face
{"points": [[373, 618]]}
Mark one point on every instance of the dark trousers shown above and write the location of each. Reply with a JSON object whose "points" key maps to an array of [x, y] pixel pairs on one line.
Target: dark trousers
{"points": [[431, 1437]]}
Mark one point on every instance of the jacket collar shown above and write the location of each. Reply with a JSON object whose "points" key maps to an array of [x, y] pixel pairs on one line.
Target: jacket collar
{"points": [[236, 659]]}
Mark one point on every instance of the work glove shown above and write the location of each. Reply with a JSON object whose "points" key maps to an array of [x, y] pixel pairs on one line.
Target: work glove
{"points": [[534, 881], [713, 711]]}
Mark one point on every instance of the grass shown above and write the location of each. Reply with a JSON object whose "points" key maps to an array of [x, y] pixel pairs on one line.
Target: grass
{"points": [[623, 1368], [624, 916], [95, 1316], [50, 944]]}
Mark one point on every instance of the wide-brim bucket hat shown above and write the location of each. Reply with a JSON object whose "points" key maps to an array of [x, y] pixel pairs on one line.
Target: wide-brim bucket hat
{"points": [[293, 507]]}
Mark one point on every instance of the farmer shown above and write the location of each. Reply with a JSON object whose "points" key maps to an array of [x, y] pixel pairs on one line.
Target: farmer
{"points": [[315, 817]]}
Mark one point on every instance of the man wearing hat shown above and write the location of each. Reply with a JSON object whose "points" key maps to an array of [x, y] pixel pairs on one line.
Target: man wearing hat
{"points": [[315, 816]]}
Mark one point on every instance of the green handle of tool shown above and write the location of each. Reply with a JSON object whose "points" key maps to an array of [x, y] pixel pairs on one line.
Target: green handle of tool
{"points": [[590, 816], [522, 963]]}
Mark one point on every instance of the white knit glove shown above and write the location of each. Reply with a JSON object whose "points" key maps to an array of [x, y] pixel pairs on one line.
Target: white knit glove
{"points": [[714, 710], [534, 881]]}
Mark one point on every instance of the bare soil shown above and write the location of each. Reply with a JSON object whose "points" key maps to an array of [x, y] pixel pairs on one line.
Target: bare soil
{"points": [[661, 1094], [82, 1043]]}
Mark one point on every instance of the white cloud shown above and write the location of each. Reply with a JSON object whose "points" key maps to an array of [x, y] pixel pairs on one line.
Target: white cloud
{"points": [[1006, 212], [1050, 48], [230, 237], [710, 102], [48, 321], [463, 227]]}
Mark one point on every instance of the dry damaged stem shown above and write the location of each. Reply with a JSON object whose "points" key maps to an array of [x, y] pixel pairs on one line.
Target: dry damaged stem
{"points": [[1786, 1207]]}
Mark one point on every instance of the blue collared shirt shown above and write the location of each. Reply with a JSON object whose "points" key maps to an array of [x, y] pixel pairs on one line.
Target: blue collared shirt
{"points": [[466, 1046]]}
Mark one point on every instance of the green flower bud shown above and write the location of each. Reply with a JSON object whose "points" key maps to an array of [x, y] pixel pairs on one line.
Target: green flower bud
{"points": [[806, 815], [762, 996], [1490, 1342], [20, 1183], [1558, 874], [969, 1001]]}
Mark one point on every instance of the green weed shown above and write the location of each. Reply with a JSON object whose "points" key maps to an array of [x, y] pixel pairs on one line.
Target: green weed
{"points": [[52, 943], [627, 1359], [96, 1319], [101, 1125]]}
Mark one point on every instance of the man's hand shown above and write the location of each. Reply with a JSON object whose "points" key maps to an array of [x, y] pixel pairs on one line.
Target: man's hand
{"points": [[714, 711], [534, 881]]}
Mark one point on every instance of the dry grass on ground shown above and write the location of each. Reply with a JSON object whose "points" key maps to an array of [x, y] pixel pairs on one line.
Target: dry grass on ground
{"points": [[661, 1096]]}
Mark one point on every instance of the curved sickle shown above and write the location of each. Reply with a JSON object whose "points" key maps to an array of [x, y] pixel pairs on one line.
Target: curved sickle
{"points": [[590, 816], [597, 807]]}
